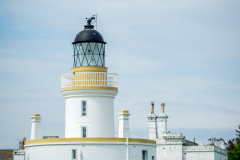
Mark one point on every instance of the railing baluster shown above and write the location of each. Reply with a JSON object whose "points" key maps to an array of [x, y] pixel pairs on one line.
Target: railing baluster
{"points": [[89, 79]]}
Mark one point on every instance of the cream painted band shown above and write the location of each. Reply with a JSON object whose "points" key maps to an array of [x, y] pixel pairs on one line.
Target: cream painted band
{"points": [[89, 69], [57, 140], [124, 111], [89, 93], [36, 115], [89, 87]]}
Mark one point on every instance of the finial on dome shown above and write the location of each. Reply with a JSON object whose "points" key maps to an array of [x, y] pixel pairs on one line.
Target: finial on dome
{"points": [[89, 23]]}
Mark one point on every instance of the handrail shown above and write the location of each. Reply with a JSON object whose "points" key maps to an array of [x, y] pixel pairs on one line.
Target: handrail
{"points": [[77, 79]]}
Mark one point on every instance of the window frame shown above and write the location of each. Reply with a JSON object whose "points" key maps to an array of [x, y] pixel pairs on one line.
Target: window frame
{"points": [[82, 131], [74, 157], [146, 154], [82, 112], [82, 56]]}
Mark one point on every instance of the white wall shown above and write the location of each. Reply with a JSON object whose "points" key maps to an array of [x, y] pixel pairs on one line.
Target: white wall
{"points": [[169, 152], [89, 151], [219, 156], [18, 154], [204, 153], [169, 147], [18, 157], [99, 120], [198, 156]]}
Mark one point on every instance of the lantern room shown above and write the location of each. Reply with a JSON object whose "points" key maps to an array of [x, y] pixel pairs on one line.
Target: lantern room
{"points": [[89, 47]]}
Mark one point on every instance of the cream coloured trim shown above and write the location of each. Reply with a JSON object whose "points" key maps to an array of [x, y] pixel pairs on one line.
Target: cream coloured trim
{"points": [[89, 69], [89, 93], [57, 140], [89, 87], [124, 111], [36, 115]]}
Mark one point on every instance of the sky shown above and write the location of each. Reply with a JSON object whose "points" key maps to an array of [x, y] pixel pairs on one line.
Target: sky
{"points": [[184, 53]]}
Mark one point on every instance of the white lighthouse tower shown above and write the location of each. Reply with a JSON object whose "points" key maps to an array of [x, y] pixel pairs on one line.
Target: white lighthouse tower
{"points": [[89, 89]]}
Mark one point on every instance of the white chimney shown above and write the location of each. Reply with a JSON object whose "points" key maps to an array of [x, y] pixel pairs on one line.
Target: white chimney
{"points": [[36, 132], [152, 124], [162, 122], [123, 130]]}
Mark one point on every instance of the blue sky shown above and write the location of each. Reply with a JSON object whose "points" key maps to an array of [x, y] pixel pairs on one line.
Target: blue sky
{"points": [[182, 53]]}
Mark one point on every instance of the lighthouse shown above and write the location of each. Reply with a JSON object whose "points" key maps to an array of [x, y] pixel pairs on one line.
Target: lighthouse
{"points": [[89, 90]]}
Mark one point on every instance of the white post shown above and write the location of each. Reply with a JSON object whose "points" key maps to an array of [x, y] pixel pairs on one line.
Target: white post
{"points": [[36, 132], [162, 122], [123, 130], [134, 157], [127, 148], [80, 155]]}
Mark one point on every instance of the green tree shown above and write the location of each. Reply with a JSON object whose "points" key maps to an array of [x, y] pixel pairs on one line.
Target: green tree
{"points": [[238, 135], [235, 153], [230, 144]]}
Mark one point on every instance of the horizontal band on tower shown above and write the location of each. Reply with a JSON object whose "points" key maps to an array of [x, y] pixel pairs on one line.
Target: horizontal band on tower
{"points": [[89, 69], [89, 87], [62, 140]]}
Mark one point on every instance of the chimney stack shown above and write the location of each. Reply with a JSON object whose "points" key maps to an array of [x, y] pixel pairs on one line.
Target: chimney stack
{"points": [[123, 130], [162, 122], [162, 107], [152, 124], [36, 132], [152, 107]]}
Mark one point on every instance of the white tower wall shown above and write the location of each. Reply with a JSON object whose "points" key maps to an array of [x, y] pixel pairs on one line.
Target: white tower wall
{"points": [[36, 132], [123, 130], [99, 119]]}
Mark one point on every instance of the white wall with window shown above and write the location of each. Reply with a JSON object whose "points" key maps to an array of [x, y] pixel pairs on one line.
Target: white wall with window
{"points": [[74, 154], [90, 151], [84, 108], [84, 132], [92, 109], [144, 155]]}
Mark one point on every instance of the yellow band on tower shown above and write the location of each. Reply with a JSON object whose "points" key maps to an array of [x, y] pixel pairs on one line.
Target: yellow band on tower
{"points": [[89, 69]]}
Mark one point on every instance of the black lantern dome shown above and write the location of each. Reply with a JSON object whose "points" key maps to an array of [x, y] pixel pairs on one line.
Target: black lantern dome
{"points": [[89, 47]]}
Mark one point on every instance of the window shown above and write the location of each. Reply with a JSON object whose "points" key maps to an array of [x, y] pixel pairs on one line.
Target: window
{"points": [[84, 132], [84, 108], [89, 54], [74, 154], [144, 155]]}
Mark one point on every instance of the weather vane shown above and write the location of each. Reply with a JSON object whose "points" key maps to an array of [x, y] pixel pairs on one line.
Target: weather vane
{"points": [[93, 17]]}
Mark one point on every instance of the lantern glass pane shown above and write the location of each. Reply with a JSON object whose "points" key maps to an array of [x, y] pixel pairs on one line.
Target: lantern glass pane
{"points": [[89, 54]]}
